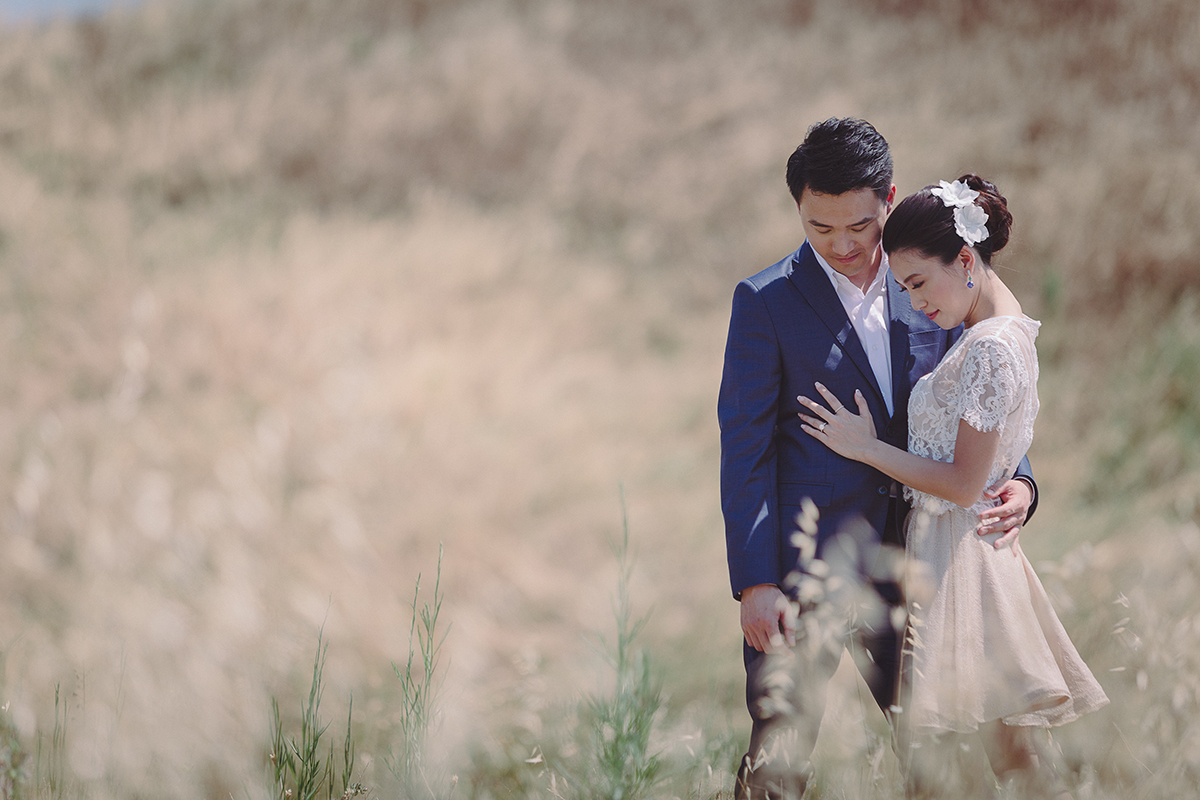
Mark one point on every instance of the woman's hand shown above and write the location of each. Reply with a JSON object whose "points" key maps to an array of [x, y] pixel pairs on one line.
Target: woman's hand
{"points": [[846, 433]]}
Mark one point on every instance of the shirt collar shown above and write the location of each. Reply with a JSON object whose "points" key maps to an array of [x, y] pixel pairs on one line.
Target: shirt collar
{"points": [[842, 283]]}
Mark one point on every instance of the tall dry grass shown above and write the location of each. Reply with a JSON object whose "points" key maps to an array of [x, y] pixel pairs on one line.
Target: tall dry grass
{"points": [[293, 290]]}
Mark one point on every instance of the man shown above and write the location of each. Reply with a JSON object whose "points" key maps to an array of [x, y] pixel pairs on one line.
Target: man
{"points": [[832, 313]]}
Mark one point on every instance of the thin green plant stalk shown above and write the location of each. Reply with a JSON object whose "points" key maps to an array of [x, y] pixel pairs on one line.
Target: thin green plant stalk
{"points": [[13, 759], [620, 764], [54, 777], [419, 684], [299, 771]]}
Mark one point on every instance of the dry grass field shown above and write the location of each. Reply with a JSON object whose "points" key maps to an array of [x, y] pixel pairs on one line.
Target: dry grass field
{"points": [[292, 292]]}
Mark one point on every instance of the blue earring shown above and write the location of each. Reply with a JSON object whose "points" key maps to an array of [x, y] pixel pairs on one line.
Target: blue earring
{"points": [[970, 283]]}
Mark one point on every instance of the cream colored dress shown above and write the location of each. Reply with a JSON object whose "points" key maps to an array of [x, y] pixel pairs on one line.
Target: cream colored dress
{"points": [[984, 640]]}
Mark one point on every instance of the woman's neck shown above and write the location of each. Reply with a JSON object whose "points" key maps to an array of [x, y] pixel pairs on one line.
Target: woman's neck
{"points": [[992, 300]]}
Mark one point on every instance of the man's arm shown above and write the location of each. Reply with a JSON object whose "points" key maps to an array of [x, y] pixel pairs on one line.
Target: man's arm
{"points": [[1024, 474], [747, 410]]}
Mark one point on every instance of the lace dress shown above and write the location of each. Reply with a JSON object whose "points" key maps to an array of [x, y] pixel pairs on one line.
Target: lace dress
{"points": [[984, 639]]}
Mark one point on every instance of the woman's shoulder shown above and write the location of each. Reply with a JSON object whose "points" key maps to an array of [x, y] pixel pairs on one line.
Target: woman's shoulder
{"points": [[1002, 321], [1005, 330], [1001, 346]]}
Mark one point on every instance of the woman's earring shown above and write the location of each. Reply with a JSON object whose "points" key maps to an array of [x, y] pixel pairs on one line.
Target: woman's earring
{"points": [[970, 283]]}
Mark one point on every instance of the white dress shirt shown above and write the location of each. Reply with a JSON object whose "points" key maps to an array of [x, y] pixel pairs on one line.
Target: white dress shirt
{"points": [[868, 313]]}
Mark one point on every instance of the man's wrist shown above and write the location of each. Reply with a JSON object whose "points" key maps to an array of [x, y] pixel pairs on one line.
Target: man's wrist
{"points": [[1028, 481], [750, 589], [1033, 493]]}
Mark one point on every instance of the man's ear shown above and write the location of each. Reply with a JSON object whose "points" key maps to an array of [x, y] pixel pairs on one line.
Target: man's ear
{"points": [[891, 198]]}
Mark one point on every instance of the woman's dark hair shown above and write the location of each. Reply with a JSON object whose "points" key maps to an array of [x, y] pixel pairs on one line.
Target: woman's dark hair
{"points": [[922, 222], [839, 156]]}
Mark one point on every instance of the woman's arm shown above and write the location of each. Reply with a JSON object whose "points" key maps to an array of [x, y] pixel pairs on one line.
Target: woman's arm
{"points": [[960, 481]]}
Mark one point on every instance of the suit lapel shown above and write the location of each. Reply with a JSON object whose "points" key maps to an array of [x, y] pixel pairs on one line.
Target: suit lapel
{"points": [[899, 309], [814, 285]]}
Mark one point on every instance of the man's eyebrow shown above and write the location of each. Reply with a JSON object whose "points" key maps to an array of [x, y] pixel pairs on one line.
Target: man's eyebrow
{"points": [[862, 221]]}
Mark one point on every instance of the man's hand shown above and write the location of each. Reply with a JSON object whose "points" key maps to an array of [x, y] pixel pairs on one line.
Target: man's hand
{"points": [[1008, 517], [768, 618]]}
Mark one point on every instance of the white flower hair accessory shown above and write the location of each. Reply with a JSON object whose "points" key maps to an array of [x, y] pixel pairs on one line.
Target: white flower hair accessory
{"points": [[970, 221]]}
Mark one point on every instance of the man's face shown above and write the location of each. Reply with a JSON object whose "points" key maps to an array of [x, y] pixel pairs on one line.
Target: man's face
{"points": [[846, 229]]}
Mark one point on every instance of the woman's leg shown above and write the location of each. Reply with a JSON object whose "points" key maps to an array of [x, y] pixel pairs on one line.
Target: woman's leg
{"points": [[1019, 755], [947, 766]]}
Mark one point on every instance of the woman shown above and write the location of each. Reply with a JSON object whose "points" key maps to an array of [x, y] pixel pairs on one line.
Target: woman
{"points": [[989, 656]]}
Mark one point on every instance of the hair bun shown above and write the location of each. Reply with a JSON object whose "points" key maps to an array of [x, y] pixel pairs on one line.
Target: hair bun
{"points": [[995, 205]]}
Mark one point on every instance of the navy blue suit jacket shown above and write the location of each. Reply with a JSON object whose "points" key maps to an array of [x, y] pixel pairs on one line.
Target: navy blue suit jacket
{"points": [[787, 331]]}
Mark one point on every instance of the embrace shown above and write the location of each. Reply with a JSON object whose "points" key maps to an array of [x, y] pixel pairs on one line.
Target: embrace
{"points": [[880, 385]]}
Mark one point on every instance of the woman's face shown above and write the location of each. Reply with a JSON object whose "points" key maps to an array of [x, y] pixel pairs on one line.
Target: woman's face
{"points": [[939, 290]]}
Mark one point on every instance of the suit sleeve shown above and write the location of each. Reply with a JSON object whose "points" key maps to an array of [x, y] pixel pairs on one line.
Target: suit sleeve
{"points": [[747, 409], [1025, 472]]}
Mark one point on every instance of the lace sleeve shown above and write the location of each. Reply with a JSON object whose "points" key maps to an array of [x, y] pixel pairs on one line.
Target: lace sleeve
{"points": [[989, 387]]}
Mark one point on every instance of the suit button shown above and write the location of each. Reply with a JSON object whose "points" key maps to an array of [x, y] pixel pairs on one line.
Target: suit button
{"points": [[883, 490]]}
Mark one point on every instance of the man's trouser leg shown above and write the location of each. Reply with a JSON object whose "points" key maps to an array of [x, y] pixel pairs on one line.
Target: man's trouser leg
{"points": [[880, 617], [785, 693], [784, 734]]}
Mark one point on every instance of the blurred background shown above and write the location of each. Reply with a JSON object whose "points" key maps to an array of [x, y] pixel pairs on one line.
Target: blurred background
{"points": [[42, 10], [293, 292]]}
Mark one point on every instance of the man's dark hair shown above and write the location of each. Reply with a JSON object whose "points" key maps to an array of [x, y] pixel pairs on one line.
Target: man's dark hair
{"points": [[839, 156]]}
